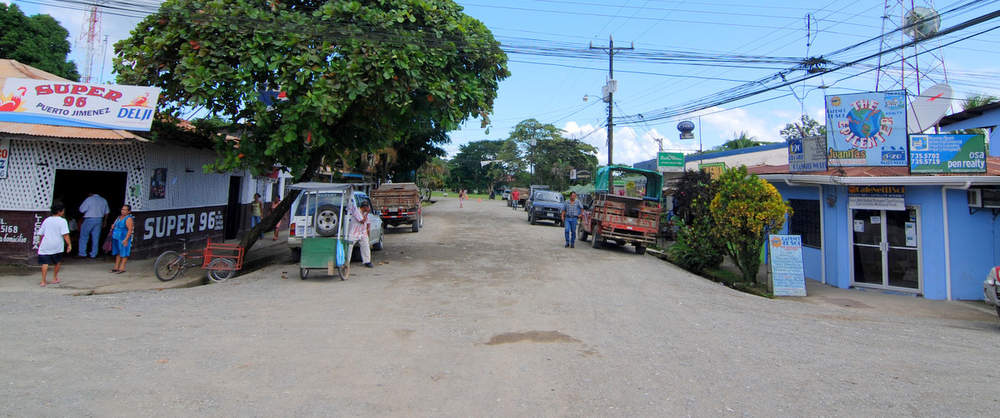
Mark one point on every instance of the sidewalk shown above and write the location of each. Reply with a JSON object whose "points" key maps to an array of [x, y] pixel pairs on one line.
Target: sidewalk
{"points": [[86, 277]]}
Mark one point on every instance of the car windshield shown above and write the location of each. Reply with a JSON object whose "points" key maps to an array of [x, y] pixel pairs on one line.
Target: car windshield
{"points": [[319, 200], [549, 196]]}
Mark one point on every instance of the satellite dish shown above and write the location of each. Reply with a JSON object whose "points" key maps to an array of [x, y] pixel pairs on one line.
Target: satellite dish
{"points": [[927, 108], [921, 22]]}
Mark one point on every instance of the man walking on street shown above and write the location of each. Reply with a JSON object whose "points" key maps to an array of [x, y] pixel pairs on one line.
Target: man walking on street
{"points": [[55, 233], [95, 213], [359, 233], [570, 214], [514, 196]]}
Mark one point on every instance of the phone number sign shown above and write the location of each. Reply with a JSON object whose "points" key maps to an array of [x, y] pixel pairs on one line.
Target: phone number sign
{"points": [[940, 153]]}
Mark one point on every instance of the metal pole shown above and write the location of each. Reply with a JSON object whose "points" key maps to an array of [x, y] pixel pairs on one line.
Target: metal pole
{"points": [[611, 102]]}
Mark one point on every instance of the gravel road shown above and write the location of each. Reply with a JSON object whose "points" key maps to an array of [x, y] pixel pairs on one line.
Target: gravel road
{"points": [[481, 314]]}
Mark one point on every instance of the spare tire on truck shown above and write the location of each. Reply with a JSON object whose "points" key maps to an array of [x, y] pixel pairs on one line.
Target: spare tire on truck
{"points": [[327, 217]]}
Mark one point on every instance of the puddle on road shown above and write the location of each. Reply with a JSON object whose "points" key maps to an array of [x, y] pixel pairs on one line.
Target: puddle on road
{"points": [[531, 336]]}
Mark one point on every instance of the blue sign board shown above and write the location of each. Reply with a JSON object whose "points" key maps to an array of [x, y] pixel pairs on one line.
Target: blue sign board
{"points": [[787, 273], [947, 153], [867, 129], [807, 154]]}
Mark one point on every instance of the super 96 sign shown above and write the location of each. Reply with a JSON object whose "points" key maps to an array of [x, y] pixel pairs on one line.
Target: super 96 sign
{"points": [[866, 129]]}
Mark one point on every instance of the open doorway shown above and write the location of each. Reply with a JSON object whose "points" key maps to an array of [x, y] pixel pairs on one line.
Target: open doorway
{"points": [[234, 210], [72, 186]]}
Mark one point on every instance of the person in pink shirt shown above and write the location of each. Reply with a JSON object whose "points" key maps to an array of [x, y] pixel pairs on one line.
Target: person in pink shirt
{"points": [[360, 231]]}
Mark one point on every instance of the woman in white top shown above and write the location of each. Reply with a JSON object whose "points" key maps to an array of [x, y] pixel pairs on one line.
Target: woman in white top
{"points": [[55, 233]]}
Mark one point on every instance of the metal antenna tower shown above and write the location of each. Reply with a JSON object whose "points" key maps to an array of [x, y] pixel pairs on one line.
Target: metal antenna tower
{"points": [[91, 39], [915, 68]]}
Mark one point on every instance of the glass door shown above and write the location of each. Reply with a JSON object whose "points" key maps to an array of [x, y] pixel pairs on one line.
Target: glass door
{"points": [[902, 258], [867, 225], [886, 248]]}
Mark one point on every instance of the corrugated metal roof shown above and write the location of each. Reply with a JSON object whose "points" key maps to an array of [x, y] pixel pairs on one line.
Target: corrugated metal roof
{"points": [[14, 69]]}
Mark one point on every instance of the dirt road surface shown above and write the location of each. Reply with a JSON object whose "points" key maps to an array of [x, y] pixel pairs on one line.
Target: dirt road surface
{"points": [[481, 314]]}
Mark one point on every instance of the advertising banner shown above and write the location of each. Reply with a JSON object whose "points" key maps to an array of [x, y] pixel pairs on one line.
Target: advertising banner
{"points": [[787, 275], [713, 169], [670, 162], [866, 129], [68, 103], [807, 154], [947, 153], [4, 156], [876, 197]]}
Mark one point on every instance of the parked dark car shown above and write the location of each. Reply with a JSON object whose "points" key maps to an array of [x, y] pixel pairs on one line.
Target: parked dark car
{"points": [[546, 204]]}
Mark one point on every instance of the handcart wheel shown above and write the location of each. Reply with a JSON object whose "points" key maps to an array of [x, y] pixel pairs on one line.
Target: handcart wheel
{"points": [[220, 270], [344, 271], [303, 273]]}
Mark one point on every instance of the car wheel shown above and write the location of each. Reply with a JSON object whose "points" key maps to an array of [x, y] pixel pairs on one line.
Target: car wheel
{"points": [[531, 218], [416, 225], [640, 250], [296, 254], [326, 220], [378, 245], [583, 234], [597, 237]]}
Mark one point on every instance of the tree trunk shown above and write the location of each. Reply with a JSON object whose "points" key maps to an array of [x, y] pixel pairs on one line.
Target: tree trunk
{"points": [[271, 220]]}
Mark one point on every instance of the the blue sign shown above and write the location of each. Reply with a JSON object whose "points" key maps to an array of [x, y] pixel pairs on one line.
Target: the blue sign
{"points": [[807, 154], [787, 274], [947, 153], [867, 129]]}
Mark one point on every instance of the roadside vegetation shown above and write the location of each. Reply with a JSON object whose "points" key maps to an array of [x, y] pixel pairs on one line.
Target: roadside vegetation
{"points": [[730, 216]]}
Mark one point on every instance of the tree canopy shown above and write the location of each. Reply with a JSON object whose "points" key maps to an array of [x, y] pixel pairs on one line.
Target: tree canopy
{"points": [[358, 76], [803, 128], [38, 41]]}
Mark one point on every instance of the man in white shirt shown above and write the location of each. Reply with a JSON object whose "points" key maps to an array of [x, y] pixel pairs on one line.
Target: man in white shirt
{"points": [[55, 233], [95, 213]]}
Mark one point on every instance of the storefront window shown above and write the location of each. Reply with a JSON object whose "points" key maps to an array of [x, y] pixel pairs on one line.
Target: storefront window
{"points": [[805, 222]]}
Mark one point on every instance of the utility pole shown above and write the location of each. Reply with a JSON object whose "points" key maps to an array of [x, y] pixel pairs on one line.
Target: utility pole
{"points": [[609, 95]]}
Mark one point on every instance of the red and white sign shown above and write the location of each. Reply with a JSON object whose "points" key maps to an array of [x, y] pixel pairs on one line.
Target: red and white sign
{"points": [[105, 106]]}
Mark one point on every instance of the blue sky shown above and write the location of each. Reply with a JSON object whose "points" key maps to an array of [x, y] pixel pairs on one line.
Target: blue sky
{"points": [[551, 89]]}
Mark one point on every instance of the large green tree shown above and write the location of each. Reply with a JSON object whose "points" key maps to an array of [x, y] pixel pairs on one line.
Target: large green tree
{"points": [[38, 41], [359, 75], [476, 166], [550, 154]]}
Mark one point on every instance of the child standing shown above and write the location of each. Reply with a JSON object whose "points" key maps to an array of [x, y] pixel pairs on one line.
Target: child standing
{"points": [[55, 233]]}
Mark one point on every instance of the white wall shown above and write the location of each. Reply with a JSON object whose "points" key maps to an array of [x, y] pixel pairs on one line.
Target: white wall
{"points": [[769, 157]]}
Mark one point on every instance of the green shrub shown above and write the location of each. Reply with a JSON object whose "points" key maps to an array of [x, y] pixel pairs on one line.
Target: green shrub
{"points": [[696, 248]]}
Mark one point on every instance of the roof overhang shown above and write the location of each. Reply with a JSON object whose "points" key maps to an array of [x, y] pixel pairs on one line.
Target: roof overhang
{"points": [[803, 179]]}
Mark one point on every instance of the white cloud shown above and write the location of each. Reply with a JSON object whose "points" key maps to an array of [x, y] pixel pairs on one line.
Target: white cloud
{"points": [[630, 146]]}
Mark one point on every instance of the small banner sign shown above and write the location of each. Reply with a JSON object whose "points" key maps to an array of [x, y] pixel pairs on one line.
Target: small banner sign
{"points": [[807, 154], [866, 129], [787, 275], [713, 169], [67, 103], [670, 162], [876, 197], [4, 156], [947, 153]]}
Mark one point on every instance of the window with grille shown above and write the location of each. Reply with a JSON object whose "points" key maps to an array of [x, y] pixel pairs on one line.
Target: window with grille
{"points": [[805, 222]]}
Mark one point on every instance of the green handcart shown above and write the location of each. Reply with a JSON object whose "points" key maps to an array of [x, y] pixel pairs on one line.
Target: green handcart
{"points": [[326, 206]]}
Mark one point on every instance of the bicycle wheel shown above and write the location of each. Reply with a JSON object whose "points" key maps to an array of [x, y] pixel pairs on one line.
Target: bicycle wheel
{"points": [[168, 266], [220, 270], [344, 271]]}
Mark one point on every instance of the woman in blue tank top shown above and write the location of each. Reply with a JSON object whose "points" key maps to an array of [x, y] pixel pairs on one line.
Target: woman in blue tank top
{"points": [[121, 239]]}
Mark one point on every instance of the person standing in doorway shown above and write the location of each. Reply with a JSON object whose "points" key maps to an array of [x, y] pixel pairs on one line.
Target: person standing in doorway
{"points": [[55, 233], [570, 215], [121, 238], [95, 216], [360, 232]]}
